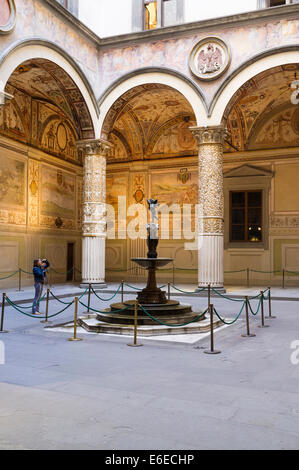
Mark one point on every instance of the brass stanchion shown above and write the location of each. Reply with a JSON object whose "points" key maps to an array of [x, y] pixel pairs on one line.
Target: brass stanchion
{"points": [[135, 344], [270, 306], [75, 323], [169, 291], [209, 295], [2, 314], [283, 278], [212, 350], [122, 292], [20, 279], [262, 310], [248, 274], [47, 308], [248, 335], [89, 294]]}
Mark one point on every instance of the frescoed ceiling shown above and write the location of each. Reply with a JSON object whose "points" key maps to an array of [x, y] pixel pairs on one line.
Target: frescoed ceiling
{"points": [[46, 81], [47, 110], [261, 114], [150, 121]]}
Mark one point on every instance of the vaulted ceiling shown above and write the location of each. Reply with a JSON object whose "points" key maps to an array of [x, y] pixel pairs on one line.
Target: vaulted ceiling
{"points": [[48, 110], [261, 114], [150, 121]]}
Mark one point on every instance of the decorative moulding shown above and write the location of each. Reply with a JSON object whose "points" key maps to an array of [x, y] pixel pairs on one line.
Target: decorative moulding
{"points": [[7, 16]]}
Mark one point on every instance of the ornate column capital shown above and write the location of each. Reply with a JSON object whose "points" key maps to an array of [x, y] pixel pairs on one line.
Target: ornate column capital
{"points": [[98, 147], [209, 134]]}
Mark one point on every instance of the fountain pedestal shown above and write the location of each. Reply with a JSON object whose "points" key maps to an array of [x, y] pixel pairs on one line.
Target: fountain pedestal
{"points": [[151, 294]]}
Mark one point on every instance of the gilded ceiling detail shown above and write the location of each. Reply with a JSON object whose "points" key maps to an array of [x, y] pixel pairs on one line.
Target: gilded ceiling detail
{"points": [[48, 110], [261, 115], [150, 121]]}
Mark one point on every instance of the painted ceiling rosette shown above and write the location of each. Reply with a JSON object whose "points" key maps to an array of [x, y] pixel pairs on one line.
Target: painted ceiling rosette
{"points": [[7, 16]]}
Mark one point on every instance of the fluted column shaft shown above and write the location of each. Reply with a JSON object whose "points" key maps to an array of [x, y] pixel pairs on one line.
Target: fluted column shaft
{"points": [[211, 252], [94, 209]]}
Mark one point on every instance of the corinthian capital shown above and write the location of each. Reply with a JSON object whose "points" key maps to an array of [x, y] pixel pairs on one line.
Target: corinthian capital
{"points": [[98, 147], [209, 134]]}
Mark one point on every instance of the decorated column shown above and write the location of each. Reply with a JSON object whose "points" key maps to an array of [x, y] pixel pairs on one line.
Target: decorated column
{"points": [[210, 255], [94, 210]]}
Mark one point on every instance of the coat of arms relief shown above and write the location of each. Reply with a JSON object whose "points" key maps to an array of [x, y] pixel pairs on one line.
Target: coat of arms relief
{"points": [[209, 59]]}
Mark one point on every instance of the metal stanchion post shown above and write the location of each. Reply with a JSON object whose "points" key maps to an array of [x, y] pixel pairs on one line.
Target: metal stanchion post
{"points": [[283, 278], [122, 292], [248, 335], [2, 314], [270, 305], [89, 294], [209, 295], [20, 279], [135, 344], [169, 291], [262, 312], [173, 273], [75, 323], [47, 308], [212, 350]]}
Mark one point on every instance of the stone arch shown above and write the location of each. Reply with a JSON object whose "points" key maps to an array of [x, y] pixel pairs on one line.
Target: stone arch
{"points": [[247, 71], [37, 49], [158, 76]]}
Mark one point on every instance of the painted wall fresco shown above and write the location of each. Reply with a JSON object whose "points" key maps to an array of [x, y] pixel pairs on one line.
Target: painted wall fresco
{"points": [[12, 182], [58, 196], [117, 185], [175, 187], [244, 42]]}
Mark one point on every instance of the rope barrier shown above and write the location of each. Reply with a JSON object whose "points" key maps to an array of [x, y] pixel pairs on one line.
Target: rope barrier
{"points": [[258, 307], [11, 275], [101, 311], [225, 296], [173, 325], [132, 287], [238, 271], [188, 292], [234, 321], [110, 298], [36, 316], [60, 301]]}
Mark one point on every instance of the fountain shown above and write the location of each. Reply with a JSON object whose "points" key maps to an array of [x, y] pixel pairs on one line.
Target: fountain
{"points": [[152, 298]]}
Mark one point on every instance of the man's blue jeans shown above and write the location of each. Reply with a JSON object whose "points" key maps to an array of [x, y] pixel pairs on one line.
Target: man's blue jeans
{"points": [[38, 293]]}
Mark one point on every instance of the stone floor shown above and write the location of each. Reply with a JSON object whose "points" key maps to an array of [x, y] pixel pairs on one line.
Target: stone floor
{"points": [[102, 394]]}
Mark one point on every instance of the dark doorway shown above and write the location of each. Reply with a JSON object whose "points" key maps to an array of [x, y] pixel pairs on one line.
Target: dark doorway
{"points": [[70, 262]]}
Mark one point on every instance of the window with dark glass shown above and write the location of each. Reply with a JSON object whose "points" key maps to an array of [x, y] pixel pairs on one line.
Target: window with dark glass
{"points": [[246, 216]]}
